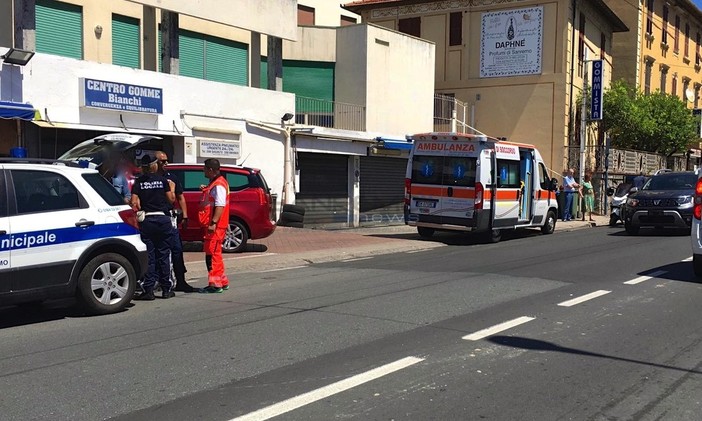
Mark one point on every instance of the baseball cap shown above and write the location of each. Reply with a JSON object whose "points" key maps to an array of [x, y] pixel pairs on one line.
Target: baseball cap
{"points": [[147, 160]]}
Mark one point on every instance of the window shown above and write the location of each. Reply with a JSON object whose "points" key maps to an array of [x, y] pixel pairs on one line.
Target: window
{"points": [[697, 49], [237, 181], [305, 15], [697, 95], [456, 29], [687, 40], [459, 171], [664, 29], [348, 20], [105, 189], [427, 169], [42, 191], [410, 26], [3, 196], [649, 17], [674, 88], [664, 75], [647, 77], [544, 179], [508, 174], [676, 39]]}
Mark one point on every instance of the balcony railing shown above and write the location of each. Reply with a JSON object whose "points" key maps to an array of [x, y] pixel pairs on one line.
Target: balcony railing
{"points": [[330, 114], [450, 115]]}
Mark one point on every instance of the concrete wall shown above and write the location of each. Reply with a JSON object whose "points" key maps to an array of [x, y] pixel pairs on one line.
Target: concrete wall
{"points": [[388, 72], [205, 104], [313, 44], [272, 17], [328, 13]]}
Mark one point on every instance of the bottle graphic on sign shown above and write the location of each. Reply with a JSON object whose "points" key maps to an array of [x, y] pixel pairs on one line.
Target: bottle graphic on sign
{"points": [[510, 29]]}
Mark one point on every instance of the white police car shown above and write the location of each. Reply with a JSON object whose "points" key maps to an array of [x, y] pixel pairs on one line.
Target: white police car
{"points": [[65, 231]]}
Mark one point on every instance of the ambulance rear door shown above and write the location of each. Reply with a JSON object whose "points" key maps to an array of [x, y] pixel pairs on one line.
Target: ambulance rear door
{"points": [[443, 180], [508, 186]]}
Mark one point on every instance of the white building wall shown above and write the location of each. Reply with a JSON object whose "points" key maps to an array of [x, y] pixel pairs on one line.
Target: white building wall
{"points": [[328, 13], [52, 85]]}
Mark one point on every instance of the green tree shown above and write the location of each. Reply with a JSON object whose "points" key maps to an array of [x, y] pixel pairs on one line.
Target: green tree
{"points": [[657, 122]]}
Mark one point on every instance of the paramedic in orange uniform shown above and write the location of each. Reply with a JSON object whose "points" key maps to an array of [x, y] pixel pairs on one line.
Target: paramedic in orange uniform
{"points": [[214, 216]]}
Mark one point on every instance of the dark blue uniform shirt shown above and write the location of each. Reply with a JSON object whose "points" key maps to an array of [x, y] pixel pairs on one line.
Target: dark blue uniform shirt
{"points": [[151, 189], [178, 186]]}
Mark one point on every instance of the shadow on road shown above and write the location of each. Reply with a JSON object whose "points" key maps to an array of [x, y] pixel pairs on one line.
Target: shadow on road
{"points": [[678, 271], [453, 238], [537, 345], [196, 246], [27, 314]]}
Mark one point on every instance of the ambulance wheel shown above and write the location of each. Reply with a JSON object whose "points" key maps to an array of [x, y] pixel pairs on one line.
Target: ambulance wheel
{"points": [[236, 237], [550, 224], [492, 236], [106, 284], [425, 232]]}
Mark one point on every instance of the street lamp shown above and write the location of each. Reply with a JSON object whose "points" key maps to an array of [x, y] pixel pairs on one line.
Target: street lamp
{"points": [[17, 56]]}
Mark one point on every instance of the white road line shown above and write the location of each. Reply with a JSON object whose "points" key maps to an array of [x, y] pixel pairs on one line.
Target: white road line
{"points": [[356, 259], [326, 391], [414, 251], [497, 328], [645, 278], [689, 259], [584, 298], [279, 269]]}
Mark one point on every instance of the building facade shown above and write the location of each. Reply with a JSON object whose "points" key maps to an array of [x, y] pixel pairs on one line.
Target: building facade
{"points": [[226, 77], [518, 65]]}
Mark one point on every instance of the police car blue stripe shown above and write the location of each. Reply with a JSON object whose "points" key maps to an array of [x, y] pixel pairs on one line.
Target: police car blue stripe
{"points": [[51, 237]]}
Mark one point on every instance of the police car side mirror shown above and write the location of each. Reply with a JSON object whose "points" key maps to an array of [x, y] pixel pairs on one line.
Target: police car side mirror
{"points": [[633, 190]]}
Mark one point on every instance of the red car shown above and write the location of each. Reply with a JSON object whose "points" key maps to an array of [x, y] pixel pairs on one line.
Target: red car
{"points": [[250, 203]]}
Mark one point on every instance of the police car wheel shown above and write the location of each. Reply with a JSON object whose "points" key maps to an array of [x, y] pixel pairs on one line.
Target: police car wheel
{"points": [[236, 237], [106, 284]]}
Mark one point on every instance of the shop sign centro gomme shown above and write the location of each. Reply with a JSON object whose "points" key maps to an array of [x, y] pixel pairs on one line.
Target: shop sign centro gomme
{"points": [[117, 96], [511, 42]]}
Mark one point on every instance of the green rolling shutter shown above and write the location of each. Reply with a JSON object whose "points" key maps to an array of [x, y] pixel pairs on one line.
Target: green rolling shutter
{"points": [[59, 28], [192, 54], [226, 61], [125, 41], [311, 79]]}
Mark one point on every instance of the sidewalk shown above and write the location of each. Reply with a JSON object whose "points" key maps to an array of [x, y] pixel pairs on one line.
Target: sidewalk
{"points": [[291, 247]]}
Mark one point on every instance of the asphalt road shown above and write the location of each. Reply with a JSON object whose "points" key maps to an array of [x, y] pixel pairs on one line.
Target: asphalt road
{"points": [[589, 324]]}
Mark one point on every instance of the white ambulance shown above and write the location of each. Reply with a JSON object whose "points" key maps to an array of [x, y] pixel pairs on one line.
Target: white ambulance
{"points": [[463, 182]]}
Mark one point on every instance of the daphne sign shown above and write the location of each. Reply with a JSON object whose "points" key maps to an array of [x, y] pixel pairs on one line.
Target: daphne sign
{"points": [[511, 42], [121, 96]]}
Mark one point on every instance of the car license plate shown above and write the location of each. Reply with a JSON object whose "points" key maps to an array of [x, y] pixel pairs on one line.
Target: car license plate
{"points": [[425, 204]]}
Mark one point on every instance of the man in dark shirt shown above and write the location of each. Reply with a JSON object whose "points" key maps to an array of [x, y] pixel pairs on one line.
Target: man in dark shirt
{"points": [[177, 250], [153, 195]]}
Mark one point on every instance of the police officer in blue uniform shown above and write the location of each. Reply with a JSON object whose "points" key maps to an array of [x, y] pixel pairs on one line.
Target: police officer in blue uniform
{"points": [[177, 251], [153, 195]]}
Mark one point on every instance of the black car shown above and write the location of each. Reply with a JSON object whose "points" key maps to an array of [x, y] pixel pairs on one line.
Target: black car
{"points": [[665, 201]]}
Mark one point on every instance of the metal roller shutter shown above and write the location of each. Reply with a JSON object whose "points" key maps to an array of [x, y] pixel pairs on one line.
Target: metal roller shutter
{"points": [[382, 190], [226, 61], [59, 29], [323, 188], [192, 54], [125, 41]]}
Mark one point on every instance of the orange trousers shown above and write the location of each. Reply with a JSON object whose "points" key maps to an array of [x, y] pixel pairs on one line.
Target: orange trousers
{"points": [[213, 258]]}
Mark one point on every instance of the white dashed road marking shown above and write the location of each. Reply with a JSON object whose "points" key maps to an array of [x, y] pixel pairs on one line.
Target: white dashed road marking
{"points": [[497, 328], [645, 278], [583, 298], [326, 391]]}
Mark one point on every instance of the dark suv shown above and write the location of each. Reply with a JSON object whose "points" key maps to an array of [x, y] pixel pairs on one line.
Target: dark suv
{"points": [[665, 201]]}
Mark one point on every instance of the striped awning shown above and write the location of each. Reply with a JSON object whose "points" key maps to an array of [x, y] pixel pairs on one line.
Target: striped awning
{"points": [[17, 110]]}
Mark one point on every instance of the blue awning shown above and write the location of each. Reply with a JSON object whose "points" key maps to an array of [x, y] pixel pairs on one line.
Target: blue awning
{"points": [[16, 110], [399, 145]]}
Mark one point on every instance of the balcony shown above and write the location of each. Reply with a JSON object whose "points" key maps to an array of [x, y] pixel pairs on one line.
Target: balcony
{"points": [[329, 114]]}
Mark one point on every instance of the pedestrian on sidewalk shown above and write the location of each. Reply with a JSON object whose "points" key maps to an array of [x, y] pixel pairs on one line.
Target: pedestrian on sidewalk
{"points": [[570, 188], [177, 261], [588, 193], [213, 214], [152, 197]]}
